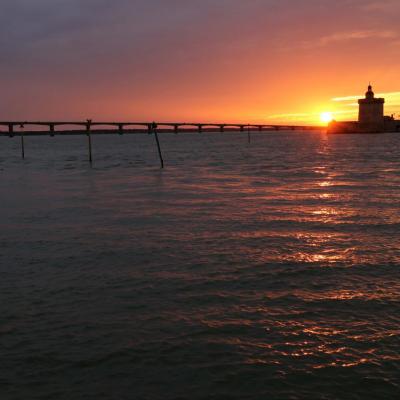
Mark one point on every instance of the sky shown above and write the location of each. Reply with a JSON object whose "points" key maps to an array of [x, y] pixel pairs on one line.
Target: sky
{"points": [[249, 61]]}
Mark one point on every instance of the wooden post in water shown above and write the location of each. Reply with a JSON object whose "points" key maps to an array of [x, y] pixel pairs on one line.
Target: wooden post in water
{"points": [[22, 142], [88, 124], [154, 130]]}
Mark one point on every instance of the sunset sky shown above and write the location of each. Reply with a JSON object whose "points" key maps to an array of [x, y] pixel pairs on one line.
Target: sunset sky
{"points": [[196, 60]]}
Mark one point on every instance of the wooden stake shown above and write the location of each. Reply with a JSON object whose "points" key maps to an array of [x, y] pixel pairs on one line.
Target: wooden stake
{"points": [[89, 121], [22, 142], [154, 129], [22, 146], [90, 148]]}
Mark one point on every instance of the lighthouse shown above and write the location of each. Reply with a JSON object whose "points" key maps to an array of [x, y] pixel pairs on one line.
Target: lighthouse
{"points": [[371, 112], [371, 118]]}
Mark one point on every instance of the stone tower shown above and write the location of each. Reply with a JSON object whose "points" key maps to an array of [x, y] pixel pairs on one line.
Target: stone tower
{"points": [[371, 113]]}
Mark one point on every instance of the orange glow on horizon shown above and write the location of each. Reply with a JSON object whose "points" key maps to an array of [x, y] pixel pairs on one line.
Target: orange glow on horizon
{"points": [[200, 63]]}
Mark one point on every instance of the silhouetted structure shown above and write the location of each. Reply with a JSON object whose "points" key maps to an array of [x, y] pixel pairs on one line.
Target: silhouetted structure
{"points": [[81, 127], [371, 114], [90, 127], [371, 118]]}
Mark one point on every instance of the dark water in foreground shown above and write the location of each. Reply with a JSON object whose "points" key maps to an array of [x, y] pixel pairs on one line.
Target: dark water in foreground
{"points": [[262, 271]]}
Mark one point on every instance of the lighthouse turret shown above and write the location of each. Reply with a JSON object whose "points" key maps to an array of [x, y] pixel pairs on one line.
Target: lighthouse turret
{"points": [[370, 94]]}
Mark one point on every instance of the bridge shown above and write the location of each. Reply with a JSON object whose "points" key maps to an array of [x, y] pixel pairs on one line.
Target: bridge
{"points": [[89, 127], [53, 128]]}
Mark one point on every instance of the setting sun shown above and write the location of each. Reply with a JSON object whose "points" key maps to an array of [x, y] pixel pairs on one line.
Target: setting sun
{"points": [[326, 117]]}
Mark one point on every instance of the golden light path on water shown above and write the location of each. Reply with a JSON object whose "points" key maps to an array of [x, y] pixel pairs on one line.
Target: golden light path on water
{"points": [[267, 269]]}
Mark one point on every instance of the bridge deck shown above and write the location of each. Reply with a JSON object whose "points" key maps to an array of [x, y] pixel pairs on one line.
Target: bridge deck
{"points": [[11, 128]]}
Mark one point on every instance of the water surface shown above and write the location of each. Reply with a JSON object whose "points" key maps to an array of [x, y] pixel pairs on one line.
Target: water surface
{"points": [[268, 270]]}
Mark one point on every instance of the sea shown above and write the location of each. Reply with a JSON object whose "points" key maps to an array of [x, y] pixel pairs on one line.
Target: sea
{"points": [[262, 270]]}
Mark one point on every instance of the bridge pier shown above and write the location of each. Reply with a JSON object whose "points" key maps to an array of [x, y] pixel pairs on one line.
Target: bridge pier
{"points": [[11, 130], [176, 129], [200, 128], [260, 128], [120, 129], [51, 129], [241, 128], [222, 128]]}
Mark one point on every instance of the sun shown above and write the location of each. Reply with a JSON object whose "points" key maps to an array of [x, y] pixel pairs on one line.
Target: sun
{"points": [[326, 117]]}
